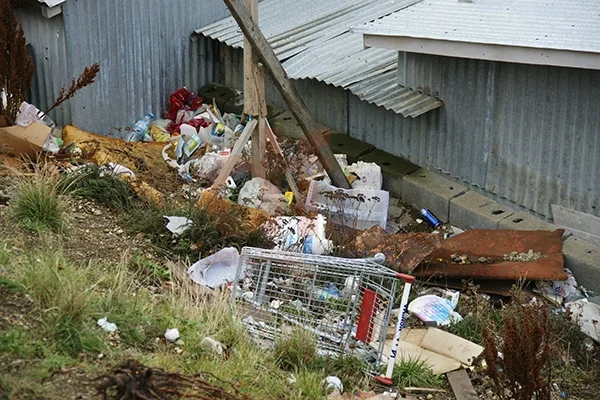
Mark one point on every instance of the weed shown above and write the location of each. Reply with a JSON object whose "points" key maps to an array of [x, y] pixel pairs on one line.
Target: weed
{"points": [[524, 341], [298, 349], [15, 341], [4, 256], [210, 230], [38, 205], [63, 294], [414, 372], [350, 369], [309, 385], [11, 285], [51, 363], [148, 270], [98, 184]]}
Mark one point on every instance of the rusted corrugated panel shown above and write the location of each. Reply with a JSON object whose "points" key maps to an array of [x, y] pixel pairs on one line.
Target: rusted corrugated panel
{"points": [[494, 245]]}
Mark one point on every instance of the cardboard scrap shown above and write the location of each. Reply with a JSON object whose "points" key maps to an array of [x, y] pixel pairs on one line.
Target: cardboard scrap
{"points": [[24, 141], [451, 346], [441, 351]]}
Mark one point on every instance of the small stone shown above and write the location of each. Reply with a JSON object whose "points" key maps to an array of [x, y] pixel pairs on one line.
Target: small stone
{"points": [[179, 342], [482, 259], [120, 232], [429, 396], [157, 340], [106, 230], [139, 236], [100, 356], [87, 231], [97, 212], [210, 345], [178, 350]]}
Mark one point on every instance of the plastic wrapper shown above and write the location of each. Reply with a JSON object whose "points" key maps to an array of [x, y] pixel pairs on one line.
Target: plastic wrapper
{"points": [[262, 194]]}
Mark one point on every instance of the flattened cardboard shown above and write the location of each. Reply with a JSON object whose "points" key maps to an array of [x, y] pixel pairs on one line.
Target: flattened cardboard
{"points": [[24, 142]]}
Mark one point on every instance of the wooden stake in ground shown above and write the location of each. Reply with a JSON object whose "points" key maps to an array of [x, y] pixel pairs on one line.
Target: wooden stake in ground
{"points": [[265, 53], [254, 97], [235, 155]]}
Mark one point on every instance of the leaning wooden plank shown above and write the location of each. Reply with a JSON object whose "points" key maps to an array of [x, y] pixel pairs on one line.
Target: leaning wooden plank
{"points": [[235, 154], [461, 385], [288, 91]]}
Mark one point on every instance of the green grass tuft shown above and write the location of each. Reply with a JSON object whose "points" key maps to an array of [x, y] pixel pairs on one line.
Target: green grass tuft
{"points": [[38, 205], [100, 185], [296, 350], [413, 372]]}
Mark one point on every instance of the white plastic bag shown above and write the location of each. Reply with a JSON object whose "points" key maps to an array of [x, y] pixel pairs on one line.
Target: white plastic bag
{"points": [[260, 193], [300, 234], [216, 270], [355, 208]]}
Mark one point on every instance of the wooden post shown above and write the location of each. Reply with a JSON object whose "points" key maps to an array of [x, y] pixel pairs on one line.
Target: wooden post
{"points": [[265, 53], [254, 97]]}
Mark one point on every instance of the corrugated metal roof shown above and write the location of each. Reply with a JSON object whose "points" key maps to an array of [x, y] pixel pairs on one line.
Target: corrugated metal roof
{"points": [[545, 24], [52, 3], [313, 40]]}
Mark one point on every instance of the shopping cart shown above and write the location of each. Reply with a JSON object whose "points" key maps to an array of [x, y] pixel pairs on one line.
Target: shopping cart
{"points": [[346, 303]]}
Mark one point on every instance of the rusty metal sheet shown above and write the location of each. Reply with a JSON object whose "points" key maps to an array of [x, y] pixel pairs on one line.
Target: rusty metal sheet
{"points": [[495, 245], [403, 251]]}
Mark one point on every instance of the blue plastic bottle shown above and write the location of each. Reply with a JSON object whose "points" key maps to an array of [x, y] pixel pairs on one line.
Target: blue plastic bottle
{"points": [[140, 129]]}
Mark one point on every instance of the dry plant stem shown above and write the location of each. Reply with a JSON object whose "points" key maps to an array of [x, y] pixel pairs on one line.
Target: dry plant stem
{"points": [[85, 78], [525, 345], [133, 380], [16, 66]]}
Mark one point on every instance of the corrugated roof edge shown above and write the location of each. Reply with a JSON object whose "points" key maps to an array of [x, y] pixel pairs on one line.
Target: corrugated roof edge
{"points": [[404, 101], [52, 3]]}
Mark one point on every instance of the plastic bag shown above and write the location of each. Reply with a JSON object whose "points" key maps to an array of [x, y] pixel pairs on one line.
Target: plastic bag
{"points": [[300, 234], [216, 270], [208, 166], [262, 194], [355, 208], [435, 309]]}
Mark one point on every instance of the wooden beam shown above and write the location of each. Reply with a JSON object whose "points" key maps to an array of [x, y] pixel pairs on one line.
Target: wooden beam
{"points": [[235, 154], [264, 51], [254, 98], [461, 385]]}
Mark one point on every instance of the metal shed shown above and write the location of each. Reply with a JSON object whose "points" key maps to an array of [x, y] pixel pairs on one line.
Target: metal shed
{"points": [[146, 50], [526, 134]]}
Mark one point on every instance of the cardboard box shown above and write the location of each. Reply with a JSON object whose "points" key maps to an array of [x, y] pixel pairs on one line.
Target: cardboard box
{"points": [[24, 142]]}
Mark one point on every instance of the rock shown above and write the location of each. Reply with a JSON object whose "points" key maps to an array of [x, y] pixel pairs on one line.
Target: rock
{"points": [[179, 342], [97, 212], [120, 232], [178, 350], [482, 259], [139, 236], [211, 345], [429, 396]]}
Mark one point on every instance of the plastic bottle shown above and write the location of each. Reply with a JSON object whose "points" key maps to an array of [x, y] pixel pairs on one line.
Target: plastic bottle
{"points": [[140, 129]]}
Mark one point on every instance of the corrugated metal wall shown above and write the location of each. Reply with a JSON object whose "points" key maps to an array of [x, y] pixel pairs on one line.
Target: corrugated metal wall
{"points": [[46, 38], [145, 49], [529, 134], [328, 104]]}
